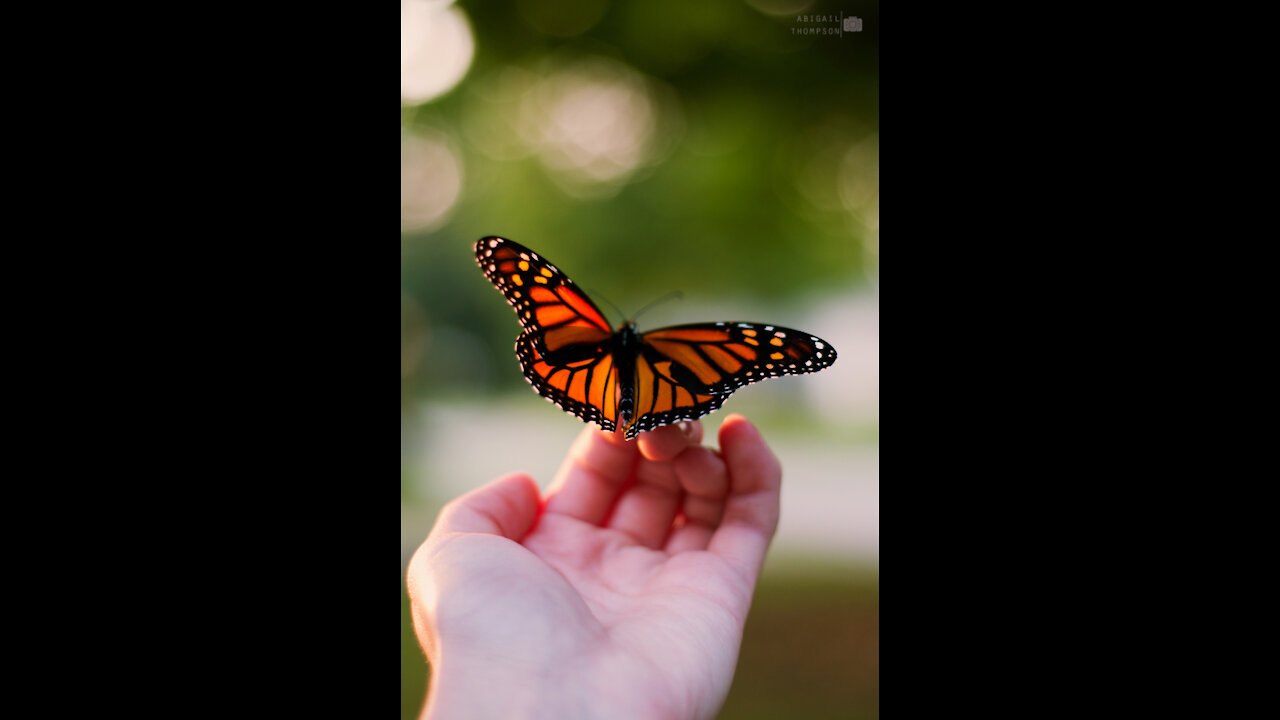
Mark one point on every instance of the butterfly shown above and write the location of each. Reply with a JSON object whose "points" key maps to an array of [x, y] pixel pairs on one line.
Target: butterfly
{"points": [[626, 379]]}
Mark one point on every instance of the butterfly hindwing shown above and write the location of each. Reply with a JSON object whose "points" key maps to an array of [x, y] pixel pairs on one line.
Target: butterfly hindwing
{"points": [[585, 387], [664, 393]]}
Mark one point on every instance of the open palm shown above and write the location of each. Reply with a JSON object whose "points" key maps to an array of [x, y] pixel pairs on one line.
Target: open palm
{"points": [[622, 594]]}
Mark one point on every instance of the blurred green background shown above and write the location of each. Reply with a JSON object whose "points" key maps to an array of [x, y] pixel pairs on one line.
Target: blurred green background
{"points": [[727, 149]]}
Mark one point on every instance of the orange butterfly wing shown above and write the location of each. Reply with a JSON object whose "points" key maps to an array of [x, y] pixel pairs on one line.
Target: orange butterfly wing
{"points": [[565, 350]]}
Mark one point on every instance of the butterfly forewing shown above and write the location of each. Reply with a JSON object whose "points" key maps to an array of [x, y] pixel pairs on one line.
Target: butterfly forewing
{"points": [[718, 358], [550, 307]]}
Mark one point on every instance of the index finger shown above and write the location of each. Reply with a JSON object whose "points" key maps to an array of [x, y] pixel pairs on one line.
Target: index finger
{"points": [[666, 442], [592, 475], [600, 465]]}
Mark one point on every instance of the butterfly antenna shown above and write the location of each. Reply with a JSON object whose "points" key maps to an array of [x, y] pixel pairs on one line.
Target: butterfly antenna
{"points": [[671, 295], [593, 293]]}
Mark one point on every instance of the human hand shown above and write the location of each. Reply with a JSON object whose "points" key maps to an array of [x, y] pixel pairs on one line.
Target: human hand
{"points": [[623, 593]]}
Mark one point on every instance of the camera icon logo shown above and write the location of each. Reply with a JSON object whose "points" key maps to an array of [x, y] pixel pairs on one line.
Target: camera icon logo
{"points": [[853, 24]]}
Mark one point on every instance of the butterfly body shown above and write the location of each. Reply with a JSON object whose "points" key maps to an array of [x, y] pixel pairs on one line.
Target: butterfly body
{"points": [[627, 379], [625, 348]]}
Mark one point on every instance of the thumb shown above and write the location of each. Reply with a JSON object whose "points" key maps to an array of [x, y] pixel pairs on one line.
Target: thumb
{"points": [[507, 507]]}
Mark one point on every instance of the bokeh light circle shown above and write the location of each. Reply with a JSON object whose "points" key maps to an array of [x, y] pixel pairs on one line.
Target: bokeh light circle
{"points": [[436, 48]]}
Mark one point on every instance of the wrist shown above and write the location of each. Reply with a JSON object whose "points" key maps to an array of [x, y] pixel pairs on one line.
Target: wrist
{"points": [[491, 687], [499, 687]]}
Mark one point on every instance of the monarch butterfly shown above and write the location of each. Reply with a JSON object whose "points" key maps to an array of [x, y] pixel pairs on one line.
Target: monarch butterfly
{"points": [[639, 381]]}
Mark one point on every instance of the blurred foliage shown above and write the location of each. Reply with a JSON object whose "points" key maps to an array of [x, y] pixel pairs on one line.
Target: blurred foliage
{"points": [[757, 177], [414, 670], [811, 649]]}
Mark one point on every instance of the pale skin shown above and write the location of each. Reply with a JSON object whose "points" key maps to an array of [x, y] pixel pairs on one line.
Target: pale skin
{"points": [[621, 593]]}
